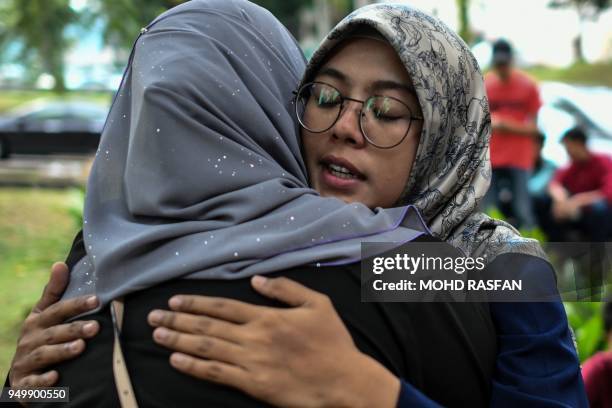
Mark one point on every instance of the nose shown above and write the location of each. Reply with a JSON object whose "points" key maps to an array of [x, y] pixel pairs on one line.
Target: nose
{"points": [[347, 128]]}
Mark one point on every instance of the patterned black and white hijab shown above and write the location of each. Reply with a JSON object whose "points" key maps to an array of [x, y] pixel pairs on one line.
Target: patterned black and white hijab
{"points": [[452, 169]]}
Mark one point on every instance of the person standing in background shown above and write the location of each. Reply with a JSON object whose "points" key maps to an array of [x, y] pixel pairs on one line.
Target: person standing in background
{"points": [[541, 176], [514, 101]]}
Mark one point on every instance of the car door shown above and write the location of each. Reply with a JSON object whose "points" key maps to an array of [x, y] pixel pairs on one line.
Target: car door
{"points": [[40, 132]]}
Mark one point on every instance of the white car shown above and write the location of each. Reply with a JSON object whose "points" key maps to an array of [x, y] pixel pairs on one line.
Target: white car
{"points": [[565, 106]]}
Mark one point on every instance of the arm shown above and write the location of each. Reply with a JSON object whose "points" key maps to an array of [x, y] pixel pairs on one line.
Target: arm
{"points": [[291, 350], [45, 340], [562, 208], [301, 355], [566, 206], [557, 191], [604, 190], [527, 128], [587, 198], [537, 362], [595, 379], [411, 397]]}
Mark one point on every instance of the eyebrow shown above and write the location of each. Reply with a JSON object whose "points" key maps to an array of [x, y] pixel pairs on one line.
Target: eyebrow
{"points": [[385, 84], [377, 85]]}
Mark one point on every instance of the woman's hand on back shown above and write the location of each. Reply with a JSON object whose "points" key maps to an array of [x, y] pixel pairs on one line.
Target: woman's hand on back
{"points": [[297, 356], [45, 339]]}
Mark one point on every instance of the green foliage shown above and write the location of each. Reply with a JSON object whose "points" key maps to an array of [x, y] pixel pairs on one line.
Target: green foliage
{"points": [[594, 7], [585, 318], [35, 230], [535, 233], [286, 11], [123, 19], [75, 202], [38, 27], [494, 212]]}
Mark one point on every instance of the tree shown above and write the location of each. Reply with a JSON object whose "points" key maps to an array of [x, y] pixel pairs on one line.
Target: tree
{"points": [[464, 20], [38, 28], [587, 10], [123, 19], [286, 11]]}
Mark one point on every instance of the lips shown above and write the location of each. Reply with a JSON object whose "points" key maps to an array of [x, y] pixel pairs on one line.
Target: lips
{"points": [[339, 176], [341, 168]]}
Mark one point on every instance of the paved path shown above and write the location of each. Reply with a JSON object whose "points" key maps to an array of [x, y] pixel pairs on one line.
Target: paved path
{"points": [[45, 171]]}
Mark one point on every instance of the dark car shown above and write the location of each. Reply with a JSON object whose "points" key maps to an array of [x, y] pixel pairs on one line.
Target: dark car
{"points": [[52, 127]]}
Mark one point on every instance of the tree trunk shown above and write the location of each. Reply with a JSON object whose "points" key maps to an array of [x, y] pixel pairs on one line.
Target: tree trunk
{"points": [[323, 18], [464, 20], [577, 49], [53, 61], [577, 41], [360, 3]]}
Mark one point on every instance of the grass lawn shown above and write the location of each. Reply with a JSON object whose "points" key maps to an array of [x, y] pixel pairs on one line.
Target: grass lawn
{"points": [[36, 229], [599, 74]]}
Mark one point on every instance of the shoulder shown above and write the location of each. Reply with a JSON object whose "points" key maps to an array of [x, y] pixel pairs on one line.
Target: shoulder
{"points": [[427, 238], [561, 172], [534, 270], [599, 360], [603, 159], [491, 79], [597, 365]]}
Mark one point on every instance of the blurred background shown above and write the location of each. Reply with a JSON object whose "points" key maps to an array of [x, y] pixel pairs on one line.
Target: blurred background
{"points": [[62, 60]]}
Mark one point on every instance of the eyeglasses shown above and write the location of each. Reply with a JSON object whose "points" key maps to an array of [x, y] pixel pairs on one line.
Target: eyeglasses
{"points": [[384, 121]]}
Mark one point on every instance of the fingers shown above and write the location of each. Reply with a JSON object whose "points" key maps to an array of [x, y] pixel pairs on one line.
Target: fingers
{"points": [[61, 311], [195, 324], [44, 356], [199, 345], [67, 332], [53, 291], [58, 334], [42, 348], [38, 380], [286, 290], [214, 371], [222, 308]]}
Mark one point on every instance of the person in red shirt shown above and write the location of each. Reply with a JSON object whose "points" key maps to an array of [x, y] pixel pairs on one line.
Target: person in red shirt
{"points": [[597, 370], [582, 192], [514, 101]]}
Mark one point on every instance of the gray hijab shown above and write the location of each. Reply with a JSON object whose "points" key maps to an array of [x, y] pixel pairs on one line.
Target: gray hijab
{"points": [[452, 169], [199, 173]]}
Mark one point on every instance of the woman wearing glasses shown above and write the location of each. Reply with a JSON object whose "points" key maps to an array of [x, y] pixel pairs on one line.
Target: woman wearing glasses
{"points": [[383, 124]]}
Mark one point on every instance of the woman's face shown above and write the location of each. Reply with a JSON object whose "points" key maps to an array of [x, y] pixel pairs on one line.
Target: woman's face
{"points": [[360, 68]]}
